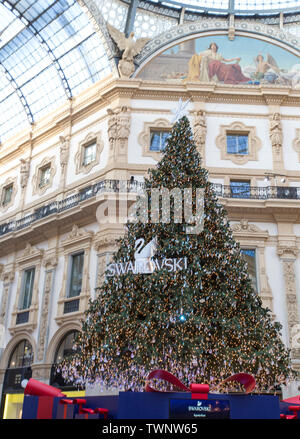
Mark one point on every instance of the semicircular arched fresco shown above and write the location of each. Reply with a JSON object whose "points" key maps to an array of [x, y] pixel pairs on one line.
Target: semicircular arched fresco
{"points": [[217, 59]]}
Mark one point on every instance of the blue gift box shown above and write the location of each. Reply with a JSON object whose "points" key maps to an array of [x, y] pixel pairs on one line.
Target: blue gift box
{"points": [[147, 405]]}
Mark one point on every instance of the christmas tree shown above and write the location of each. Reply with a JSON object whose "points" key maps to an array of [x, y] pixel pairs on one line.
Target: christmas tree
{"points": [[199, 318]]}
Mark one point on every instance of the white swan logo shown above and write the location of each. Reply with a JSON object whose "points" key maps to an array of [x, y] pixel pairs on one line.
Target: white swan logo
{"points": [[144, 261], [144, 253]]}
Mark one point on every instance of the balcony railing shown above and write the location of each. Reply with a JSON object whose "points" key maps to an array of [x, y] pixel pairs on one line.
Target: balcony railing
{"points": [[69, 202], [104, 186]]}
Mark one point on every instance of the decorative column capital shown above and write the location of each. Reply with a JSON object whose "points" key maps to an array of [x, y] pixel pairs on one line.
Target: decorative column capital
{"points": [[287, 250]]}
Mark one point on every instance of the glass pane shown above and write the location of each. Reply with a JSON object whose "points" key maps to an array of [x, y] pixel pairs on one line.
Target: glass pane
{"points": [[89, 154], [45, 176], [237, 144], [28, 279], [76, 275], [7, 194], [22, 355], [242, 144], [240, 189], [65, 348], [158, 140], [249, 255]]}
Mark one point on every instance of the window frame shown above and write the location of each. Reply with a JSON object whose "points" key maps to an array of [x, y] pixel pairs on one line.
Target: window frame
{"points": [[237, 134], [239, 128], [42, 182], [23, 286], [84, 148], [257, 290], [5, 203], [159, 131], [242, 182], [70, 273]]}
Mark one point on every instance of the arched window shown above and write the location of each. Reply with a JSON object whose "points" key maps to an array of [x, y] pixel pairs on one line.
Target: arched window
{"points": [[64, 350], [22, 355], [65, 347]]}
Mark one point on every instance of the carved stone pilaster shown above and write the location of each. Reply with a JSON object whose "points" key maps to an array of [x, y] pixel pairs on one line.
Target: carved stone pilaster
{"points": [[288, 253], [231, 28], [118, 133], [105, 247], [50, 264], [276, 138], [200, 132], [7, 276], [64, 155], [24, 172]]}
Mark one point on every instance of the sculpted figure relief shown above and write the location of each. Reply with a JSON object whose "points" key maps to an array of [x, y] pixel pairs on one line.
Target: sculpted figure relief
{"points": [[24, 172], [64, 151], [276, 131], [130, 48], [200, 131], [118, 131]]}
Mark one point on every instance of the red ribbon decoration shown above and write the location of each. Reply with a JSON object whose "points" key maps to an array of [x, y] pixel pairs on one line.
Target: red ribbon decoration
{"points": [[248, 381], [83, 410], [199, 391]]}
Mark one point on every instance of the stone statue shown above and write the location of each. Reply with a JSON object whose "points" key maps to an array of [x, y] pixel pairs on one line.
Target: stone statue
{"points": [[200, 131], [24, 172], [118, 132], [64, 151], [130, 48], [276, 131]]}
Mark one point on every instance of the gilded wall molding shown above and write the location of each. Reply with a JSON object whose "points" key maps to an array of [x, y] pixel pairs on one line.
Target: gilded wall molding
{"points": [[37, 187], [145, 135], [254, 143], [91, 137]]}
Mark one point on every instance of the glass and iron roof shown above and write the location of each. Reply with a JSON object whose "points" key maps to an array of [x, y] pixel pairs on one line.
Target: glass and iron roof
{"points": [[49, 52], [236, 6]]}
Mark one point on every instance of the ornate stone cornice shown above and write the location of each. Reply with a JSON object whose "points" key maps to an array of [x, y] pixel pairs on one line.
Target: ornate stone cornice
{"points": [[287, 250], [244, 228], [30, 253], [76, 235], [102, 243]]}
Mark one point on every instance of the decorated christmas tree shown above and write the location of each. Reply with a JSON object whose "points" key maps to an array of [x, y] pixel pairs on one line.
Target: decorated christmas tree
{"points": [[192, 311]]}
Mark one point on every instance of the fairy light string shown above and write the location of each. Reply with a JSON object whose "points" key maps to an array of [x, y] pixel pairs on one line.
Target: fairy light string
{"points": [[134, 325]]}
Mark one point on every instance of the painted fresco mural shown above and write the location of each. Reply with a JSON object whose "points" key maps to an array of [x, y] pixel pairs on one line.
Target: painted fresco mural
{"points": [[217, 59]]}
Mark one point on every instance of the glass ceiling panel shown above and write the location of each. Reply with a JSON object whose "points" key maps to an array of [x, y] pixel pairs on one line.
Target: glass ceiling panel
{"points": [[49, 51], [265, 4], [251, 5]]}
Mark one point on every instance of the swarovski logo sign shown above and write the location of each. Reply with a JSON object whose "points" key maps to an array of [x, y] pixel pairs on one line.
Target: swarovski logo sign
{"points": [[144, 262]]}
